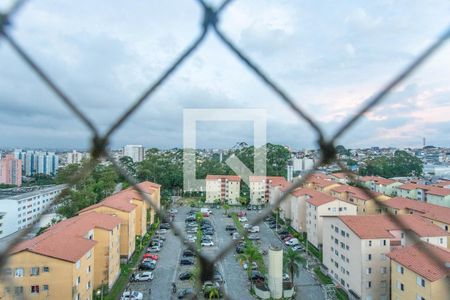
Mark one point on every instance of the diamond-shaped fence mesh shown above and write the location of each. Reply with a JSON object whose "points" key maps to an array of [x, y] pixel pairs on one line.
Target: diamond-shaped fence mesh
{"points": [[209, 23]]}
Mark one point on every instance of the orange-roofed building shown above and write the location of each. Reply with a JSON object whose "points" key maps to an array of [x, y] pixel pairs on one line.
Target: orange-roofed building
{"points": [[153, 191], [381, 185], [223, 188], [426, 193], [318, 206], [420, 272], [366, 205], [339, 177], [355, 249], [54, 265], [321, 183], [115, 205], [261, 187]]}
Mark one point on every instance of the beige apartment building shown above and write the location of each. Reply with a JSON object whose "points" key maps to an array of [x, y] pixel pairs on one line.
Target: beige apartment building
{"points": [[54, 265], [321, 205], [223, 188], [425, 193], [366, 205], [153, 190], [381, 185], [105, 230], [415, 274], [126, 211], [355, 249], [261, 187]]}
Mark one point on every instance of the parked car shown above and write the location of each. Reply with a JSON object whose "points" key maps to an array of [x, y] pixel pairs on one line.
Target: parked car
{"points": [[217, 277], [247, 226], [161, 231], [148, 265], [164, 226], [188, 253], [287, 238], [292, 242], [253, 237], [243, 219], [153, 249], [186, 293], [230, 228], [208, 243], [285, 276], [144, 276], [151, 255], [160, 237], [185, 261], [147, 260], [173, 210], [298, 247], [240, 249], [254, 229], [241, 214], [185, 276], [283, 231], [249, 207], [132, 295]]}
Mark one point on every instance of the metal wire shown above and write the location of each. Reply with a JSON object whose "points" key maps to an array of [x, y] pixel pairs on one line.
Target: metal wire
{"points": [[210, 20]]}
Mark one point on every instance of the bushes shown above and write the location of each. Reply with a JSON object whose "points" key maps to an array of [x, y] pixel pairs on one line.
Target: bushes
{"points": [[324, 279], [341, 294]]}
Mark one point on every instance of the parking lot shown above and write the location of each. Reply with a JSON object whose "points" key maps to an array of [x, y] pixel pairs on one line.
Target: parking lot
{"points": [[236, 284]]}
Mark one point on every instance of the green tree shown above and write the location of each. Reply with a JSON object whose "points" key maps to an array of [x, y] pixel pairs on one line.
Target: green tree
{"points": [[399, 165], [213, 293], [226, 207], [292, 261], [250, 255]]}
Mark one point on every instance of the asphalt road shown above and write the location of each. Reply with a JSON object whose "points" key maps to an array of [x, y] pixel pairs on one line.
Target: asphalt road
{"points": [[236, 285]]}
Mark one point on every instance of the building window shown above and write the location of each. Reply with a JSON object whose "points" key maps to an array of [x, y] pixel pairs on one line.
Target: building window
{"points": [[400, 286], [88, 270], [369, 284], [383, 242], [77, 265], [18, 290], [400, 269], [19, 272], [369, 271], [418, 297], [78, 280], [34, 271], [88, 285], [383, 284], [35, 289], [369, 256], [420, 281], [89, 254], [45, 269], [370, 243], [383, 270], [45, 287]]}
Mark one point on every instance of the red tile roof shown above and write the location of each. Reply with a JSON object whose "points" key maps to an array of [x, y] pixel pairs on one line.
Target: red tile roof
{"points": [[429, 189], [421, 259], [354, 191], [442, 183], [316, 198], [147, 186], [320, 181], [119, 201], [229, 177], [377, 180], [426, 210], [270, 179], [339, 175], [378, 226]]}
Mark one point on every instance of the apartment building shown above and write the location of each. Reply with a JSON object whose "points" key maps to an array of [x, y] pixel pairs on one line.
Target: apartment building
{"points": [[11, 170], [415, 273], [20, 208], [261, 187], [438, 215], [105, 230], [54, 265], [318, 206], [37, 162], [426, 193], [339, 177], [321, 182], [116, 205], [355, 249], [223, 188], [136, 152], [381, 185], [153, 191], [366, 205]]}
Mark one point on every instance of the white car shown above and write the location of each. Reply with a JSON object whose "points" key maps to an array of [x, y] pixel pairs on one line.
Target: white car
{"points": [[297, 247], [153, 249], [247, 226], [254, 229], [161, 231], [208, 243], [132, 295], [144, 276], [292, 242], [173, 210], [285, 276], [243, 219]]}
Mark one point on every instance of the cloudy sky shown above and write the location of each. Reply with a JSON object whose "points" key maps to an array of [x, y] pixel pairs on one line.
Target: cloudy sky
{"points": [[329, 56]]}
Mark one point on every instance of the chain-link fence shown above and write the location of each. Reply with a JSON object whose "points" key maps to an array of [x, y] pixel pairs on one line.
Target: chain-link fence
{"points": [[209, 24]]}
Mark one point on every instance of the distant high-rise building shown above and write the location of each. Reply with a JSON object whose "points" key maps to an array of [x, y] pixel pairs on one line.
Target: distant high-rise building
{"points": [[37, 162], [11, 170], [290, 171], [136, 152], [75, 157]]}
